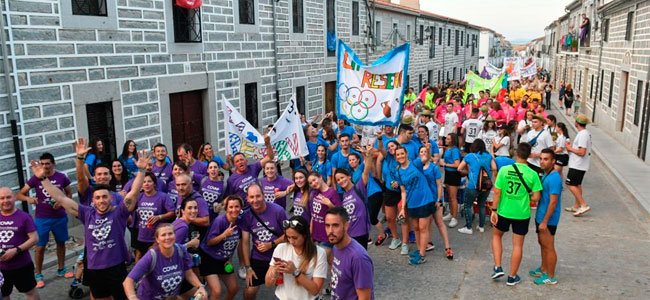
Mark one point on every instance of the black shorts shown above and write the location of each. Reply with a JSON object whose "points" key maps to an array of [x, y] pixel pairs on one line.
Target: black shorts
{"points": [[211, 266], [185, 287], [141, 246], [537, 169], [519, 227], [107, 282], [551, 228], [423, 211], [574, 177], [466, 147], [21, 278], [260, 268], [391, 198], [568, 103], [452, 178], [562, 160], [134, 236], [363, 240]]}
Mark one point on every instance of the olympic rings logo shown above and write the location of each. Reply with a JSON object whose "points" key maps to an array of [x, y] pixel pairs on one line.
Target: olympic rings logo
{"points": [[356, 102]]}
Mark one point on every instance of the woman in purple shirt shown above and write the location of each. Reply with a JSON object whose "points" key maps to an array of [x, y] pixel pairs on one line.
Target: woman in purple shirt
{"points": [[188, 211], [275, 187], [300, 195], [152, 207], [119, 175], [212, 188], [321, 198], [162, 270]]}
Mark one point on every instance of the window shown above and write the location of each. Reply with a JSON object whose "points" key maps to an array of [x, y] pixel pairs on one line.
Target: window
{"points": [[300, 99], [637, 102], [421, 40], [89, 7], [456, 43], [462, 36], [605, 30], [602, 78], [355, 18], [448, 37], [378, 33], [440, 36], [250, 98], [628, 26], [439, 77], [591, 87], [187, 24], [331, 27], [298, 18], [408, 33], [454, 74], [247, 12], [395, 34], [473, 43], [432, 42], [580, 81], [467, 44], [611, 89], [420, 83], [101, 122], [430, 77]]}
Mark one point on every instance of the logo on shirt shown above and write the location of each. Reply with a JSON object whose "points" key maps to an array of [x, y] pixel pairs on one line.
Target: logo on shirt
{"points": [[144, 216], [170, 284], [229, 245], [210, 197], [269, 197], [101, 233], [317, 207], [264, 235], [349, 208], [298, 210], [5, 236]]}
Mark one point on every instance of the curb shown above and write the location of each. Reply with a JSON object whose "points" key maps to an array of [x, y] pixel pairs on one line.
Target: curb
{"points": [[51, 261]]}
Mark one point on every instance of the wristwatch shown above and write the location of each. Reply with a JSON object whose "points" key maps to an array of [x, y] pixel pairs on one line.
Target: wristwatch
{"points": [[296, 273], [18, 250], [493, 209]]}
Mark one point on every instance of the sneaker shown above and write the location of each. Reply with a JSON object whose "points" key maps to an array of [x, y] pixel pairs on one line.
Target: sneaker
{"points": [[545, 280], [405, 249], [581, 211], [39, 281], [498, 272], [571, 209], [380, 239], [369, 241], [64, 273], [536, 273], [447, 217], [465, 230], [411, 237], [242, 273], [480, 229], [453, 223], [414, 253], [417, 260], [513, 280], [449, 253], [430, 247], [394, 244]]}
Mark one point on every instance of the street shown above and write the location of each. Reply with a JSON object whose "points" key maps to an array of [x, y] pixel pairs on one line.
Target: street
{"points": [[602, 255]]}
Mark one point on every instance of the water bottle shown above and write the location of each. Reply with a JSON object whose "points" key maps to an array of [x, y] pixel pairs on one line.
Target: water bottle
{"points": [[228, 268], [2, 252], [197, 296], [280, 279], [197, 260]]}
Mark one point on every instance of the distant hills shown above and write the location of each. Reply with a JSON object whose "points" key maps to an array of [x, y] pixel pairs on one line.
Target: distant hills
{"points": [[519, 41]]}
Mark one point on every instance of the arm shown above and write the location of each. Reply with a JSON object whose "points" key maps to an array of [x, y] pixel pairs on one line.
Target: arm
{"points": [[129, 288], [190, 276], [269, 150], [549, 211], [367, 166], [22, 195], [493, 167], [462, 168], [247, 257], [131, 197], [363, 294], [402, 199], [535, 196], [82, 176], [580, 151], [11, 253]]}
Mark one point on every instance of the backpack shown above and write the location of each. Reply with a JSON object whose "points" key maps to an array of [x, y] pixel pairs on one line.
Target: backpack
{"points": [[154, 258], [484, 182]]}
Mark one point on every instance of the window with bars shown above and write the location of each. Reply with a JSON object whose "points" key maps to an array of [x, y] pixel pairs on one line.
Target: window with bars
{"points": [[331, 25], [187, 24], [247, 12], [440, 36], [467, 44], [408, 33], [591, 87], [301, 99], [605, 30], [456, 43], [611, 89], [298, 19], [378, 33], [421, 37], [250, 98], [89, 8], [602, 78], [355, 18], [637, 102], [395, 35], [432, 42], [448, 37], [628, 26]]}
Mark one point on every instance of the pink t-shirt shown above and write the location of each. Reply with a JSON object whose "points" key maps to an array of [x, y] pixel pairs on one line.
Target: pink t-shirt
{"points": [[521, 114], [440, 112], [498, 115]]}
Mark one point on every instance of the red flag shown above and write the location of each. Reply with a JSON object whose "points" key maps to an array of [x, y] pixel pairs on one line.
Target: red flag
{"points": [[191, 4]]}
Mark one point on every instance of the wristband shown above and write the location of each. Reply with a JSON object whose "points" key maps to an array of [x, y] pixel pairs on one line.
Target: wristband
{"points": [[133, 296], [248, 268], [493, 209], [81, 157], [42, 178], [18, 250], [142, 170]]}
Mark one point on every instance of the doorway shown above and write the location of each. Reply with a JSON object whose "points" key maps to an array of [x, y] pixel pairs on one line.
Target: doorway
{"points": [[101, 124], [645, 119], [623, 105], [330, 97], [186, 111]]}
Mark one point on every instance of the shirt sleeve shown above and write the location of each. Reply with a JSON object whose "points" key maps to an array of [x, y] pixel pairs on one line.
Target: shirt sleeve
{"points": [[556, 185], [168, 204], [500, 182], [181, 233], [321, 264], [455, 154], [363, 273], [141, 268], [580, 141], [90, 159], [537, 185], [219, 161], [188, 262], [29, 224], [32, 182]]}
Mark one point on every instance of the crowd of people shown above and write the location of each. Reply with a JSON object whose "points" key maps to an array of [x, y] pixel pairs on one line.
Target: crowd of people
{"points": [[157, 227]]}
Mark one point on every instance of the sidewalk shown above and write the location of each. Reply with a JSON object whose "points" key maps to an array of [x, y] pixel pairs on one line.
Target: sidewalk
{"points": [[74, 247], [630, 171]]}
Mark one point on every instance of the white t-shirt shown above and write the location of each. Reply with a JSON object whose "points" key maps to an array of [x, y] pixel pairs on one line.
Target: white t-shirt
{"points": [[434, 131], [560, 142], [487, 137], [289, 290], [582, 140], [544, 140], [522, 124], [450, 119], [472, 129], [505, 149]]}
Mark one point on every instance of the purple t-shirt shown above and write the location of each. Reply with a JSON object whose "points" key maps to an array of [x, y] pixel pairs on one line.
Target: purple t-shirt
{"points": [[167, 275], [87, 197], [164, 173], [43, 207], [199, 168], [105, 245], [13, 232], [299, 209], [318, 210], [148, 206], [268, 189], [224, 250], [161, 186], [212, 192], [272, 216], [359, 222], [172, 192], [238, 183], [352, 269], [181, 229]]}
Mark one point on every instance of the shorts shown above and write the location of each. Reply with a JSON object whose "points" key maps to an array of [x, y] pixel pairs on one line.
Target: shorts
{"points": [[141, 246], [363, 240], [211, 266], [551, 228], [58, 227], [134, 236], [466, 147], [185, 287], [107, 282], [21, 278], [452, 178], [537, 169], [519, 227], [574, 177], [568, 103], [260, 268], [423, 211], [562, 160], [392, 198]]}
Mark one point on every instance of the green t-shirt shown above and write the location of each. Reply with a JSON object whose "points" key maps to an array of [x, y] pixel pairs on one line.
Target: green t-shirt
{"points": [[514, 202], [428, 101], [409, 97]]}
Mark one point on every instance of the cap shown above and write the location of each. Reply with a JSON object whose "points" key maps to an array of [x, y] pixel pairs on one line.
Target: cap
{"points": [[407, 119], [538, 117], [502, 126], [582, 119], [484, 108], [490, 119], [426, 112]]}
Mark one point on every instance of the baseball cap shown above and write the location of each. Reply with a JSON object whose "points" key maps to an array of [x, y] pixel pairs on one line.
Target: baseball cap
{"points": [[582, 119], [426, 112], [502, 126]]}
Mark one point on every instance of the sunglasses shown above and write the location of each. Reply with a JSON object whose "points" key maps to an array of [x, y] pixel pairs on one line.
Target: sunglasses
{"points": [[291, 224]]}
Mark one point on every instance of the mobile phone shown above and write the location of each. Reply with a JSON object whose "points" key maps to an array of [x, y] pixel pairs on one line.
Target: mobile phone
{"points": [[277, 259]]}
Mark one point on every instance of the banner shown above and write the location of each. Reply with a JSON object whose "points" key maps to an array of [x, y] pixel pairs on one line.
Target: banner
{"points": [[529, 70], [286, 135], [371, 95], [475, 84], [492, 70]]}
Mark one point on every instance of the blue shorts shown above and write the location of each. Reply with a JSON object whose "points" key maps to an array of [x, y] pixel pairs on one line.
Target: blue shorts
{"points": [[58, 227]]}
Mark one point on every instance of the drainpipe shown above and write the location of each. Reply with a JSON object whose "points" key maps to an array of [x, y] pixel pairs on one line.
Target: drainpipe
{"points": [[600, 60], [275, 61], [444, 70], [12, 108], [368, 31]]}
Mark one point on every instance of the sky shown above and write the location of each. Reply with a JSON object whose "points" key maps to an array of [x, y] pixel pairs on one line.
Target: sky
{"points": [[515, 19]]}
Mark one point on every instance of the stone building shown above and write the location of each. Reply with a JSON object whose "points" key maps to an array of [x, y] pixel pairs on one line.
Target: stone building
{"points": [[150, 71], [493, 48]]}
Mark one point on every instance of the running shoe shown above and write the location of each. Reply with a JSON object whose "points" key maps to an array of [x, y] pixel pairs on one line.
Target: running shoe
{"points": [[417, 259], [414, 253], [453, 223], [536, 273], [498, 272], [380, 239], [430, 247], [405, 249], [411, 237], [465, 230], [40, 283], [64, 273], [369, 241], [545, 280], [513, 280], [480, 229], [447, 217], [571, 209], [581, 211], [449, 253], [242, 272], [394, 244]]}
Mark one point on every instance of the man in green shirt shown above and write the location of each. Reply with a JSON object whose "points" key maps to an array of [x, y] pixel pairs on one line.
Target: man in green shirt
{"points": [[409, 96], [516, 185], [428, 99]]}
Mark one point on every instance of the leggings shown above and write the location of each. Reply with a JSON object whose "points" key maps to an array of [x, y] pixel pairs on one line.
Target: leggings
{"points": [[375, 201]]}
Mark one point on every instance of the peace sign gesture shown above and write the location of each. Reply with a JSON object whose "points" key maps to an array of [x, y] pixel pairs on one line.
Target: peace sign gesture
{"points": [[231, 228]]}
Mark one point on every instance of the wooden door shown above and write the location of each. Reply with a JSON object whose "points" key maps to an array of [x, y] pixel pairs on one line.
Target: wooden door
{"points": [[186, 110], [330, 97], [623, 104]]}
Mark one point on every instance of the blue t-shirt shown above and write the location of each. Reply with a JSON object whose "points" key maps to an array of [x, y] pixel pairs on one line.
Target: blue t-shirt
{"points": [[340, 161], [551, 185], [434, 146], [389, 171], [417, 188], [503, 161], [385, 140], [413, 150], [129, 163], [216, 159], [312, 147], [474, 163], [324, 168], [92, 161], [450, 156], [432, 173], [348, 129]]}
